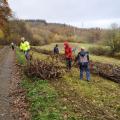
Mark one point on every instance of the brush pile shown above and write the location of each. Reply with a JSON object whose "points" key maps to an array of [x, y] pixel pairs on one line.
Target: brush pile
{"points": [[44, 70], [109, 71]]}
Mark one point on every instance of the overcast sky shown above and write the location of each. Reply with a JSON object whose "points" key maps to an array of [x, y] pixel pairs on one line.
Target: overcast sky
{"points": [[81, 13]]}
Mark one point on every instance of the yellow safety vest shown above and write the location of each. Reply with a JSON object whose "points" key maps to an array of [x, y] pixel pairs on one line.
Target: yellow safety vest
{"points": [[22, 46], [26, 45]]}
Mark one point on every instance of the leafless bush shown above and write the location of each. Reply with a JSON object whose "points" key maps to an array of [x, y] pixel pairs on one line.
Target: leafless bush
{"points": [[44, 70]]}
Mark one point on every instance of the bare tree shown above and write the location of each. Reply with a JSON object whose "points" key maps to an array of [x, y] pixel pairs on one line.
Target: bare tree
{"points": [[5, 13], [113, 39]]}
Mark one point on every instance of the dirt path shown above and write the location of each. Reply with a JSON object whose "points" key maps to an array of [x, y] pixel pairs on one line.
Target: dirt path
{"points": [[6, 64]]}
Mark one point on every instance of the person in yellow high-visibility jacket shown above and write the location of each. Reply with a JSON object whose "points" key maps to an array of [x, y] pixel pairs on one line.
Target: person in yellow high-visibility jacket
{"points": [[25, 47], [22, 44]]}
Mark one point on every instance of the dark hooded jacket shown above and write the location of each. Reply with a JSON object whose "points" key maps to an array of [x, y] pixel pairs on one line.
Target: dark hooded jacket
{"points": [[56, 50], [82, 57]]}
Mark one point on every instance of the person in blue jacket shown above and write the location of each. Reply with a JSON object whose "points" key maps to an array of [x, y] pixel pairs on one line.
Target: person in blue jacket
{"points": [[83, 62]]}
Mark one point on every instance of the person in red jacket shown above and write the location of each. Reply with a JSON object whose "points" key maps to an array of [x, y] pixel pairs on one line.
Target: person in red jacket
{"points": [[68, 55]]}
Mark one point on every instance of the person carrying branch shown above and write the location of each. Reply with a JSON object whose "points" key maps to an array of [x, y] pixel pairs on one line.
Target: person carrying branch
{"points": [[83, 62], [68, 55]]}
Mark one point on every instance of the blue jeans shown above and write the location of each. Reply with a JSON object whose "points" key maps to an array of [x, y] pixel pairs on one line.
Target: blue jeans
{"points": [[84, 67], [27, 55]]}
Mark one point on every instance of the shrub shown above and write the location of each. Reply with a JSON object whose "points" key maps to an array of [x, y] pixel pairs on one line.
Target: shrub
{"points": [[117, 55], [100, 50], [113, 39], [44, 70]]}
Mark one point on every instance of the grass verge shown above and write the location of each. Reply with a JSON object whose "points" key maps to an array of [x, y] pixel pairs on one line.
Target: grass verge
{"points": [[99, 92], [43, 100], [71, 99], [20, 57]]}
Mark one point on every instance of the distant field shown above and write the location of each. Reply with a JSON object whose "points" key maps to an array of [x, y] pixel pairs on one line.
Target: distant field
{"points": [[102, 59], [73, 45]]}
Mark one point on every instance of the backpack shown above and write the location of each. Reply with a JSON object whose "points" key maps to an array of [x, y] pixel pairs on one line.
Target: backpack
{"points": [[83, 57]]}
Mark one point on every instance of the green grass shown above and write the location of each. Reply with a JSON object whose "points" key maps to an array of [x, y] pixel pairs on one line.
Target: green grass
{"points": [[43, 100], [100, 92], [71, 99], [20, 57], [47, 58], [41, 96], [40, 56], [102, 59]]}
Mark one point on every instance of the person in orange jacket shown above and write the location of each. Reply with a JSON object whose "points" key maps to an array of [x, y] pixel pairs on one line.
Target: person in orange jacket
{"points": [[68, 55]]}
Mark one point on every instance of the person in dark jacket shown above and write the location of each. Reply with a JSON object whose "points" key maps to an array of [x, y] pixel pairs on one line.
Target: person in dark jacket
{"points": [[68, 55], [12, 46], [56, 50], [83, 62]]}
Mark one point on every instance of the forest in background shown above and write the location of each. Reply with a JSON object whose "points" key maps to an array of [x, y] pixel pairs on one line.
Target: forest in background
{"points": [[40, 32]]}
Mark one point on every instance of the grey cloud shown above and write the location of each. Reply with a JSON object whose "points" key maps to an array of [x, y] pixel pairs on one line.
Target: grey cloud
{"points": [[67, 10]]}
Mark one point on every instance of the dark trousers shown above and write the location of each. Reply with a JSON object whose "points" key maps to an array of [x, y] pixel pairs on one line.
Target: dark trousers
{"points": [[27, 54], [84, 67], [12, 47], [69, 63]]}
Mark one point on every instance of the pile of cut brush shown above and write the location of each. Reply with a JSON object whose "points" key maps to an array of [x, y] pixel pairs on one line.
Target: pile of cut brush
{"points": [[109, 71], [112, 72], [44, 70]]}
